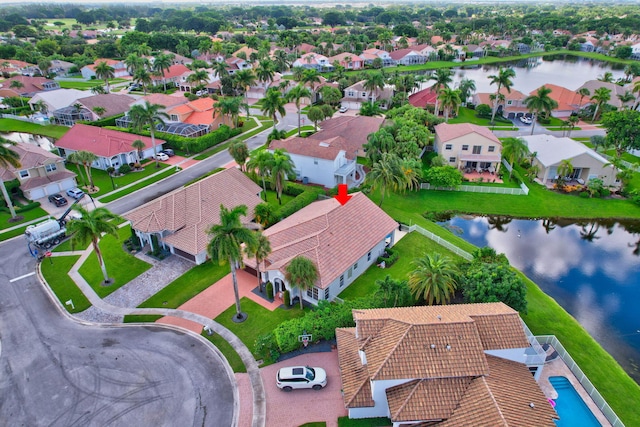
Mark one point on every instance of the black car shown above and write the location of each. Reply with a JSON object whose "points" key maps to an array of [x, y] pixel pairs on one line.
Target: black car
{"points": [[169, 152], [57, 200]]}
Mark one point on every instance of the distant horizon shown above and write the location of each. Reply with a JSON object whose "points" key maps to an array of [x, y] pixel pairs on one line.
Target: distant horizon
{"points": [[286, 2]]}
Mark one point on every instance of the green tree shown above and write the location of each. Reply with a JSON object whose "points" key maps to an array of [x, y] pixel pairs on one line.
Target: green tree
{"points": [[301, 273], [148, 115], [89, 227], [8, 158], [262, 162], [484, 282], [104, 72], [372, 82], [199, 77], [244, 79], [442, 78], [265, 71], [226, 242], [142, 77], [623, 130], [583, 92], [450, 100], [281, 168], [514, 150], [273, 104], [434, 279], [240, 153], [601, 96], [540, 103], [393, 293], [140, 146], [161, 64], [315, 114], [444, 176], [17, 84], [467, 87], [501, 80], [84, 158], [259, 249], [265, 214], [387, 175], [565, 169], [296, 94]]}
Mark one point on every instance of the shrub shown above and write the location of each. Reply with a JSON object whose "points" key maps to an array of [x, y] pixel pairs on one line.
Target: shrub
{"points": [[389, 257], [286, 296], [302, 200], [483, 111], [269, 288], [111, 170], [28, 207], [266, 348], [124, 169], [605, 192], [584, 195], [483, 282]]}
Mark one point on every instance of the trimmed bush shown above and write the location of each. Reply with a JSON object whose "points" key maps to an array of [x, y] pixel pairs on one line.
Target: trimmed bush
{"points": [[124, 169], [286, 296], [107, 121], [302, 200], [28, 207], [267, 348], [389, 257], [269, 288], [584, 195]]}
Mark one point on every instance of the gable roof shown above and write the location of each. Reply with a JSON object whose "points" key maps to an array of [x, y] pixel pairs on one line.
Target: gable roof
{"points": [[552, 150], [112, 103], [401, 53], [332, 235], [567, 99], [327, 149], [30, 84], [165, 100], [187, 213], [447, 132], [100, 141], [176, 70], [31, 156], [60, 98], [424, 97]]}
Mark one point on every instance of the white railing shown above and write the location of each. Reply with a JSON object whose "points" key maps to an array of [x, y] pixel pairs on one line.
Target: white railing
{"points": [[541, 355], [629, 165], [439, 240], [522, 191], [583, 379]]}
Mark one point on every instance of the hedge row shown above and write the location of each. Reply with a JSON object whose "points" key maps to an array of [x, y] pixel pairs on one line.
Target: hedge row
{"points": [[303, 199], [390, 257], [107, 121]]}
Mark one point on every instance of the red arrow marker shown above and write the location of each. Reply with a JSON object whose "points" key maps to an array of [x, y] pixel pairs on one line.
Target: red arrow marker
{"points": [[342, 196]]}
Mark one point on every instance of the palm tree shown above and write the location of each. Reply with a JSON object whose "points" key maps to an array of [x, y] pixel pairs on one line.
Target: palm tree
{"points": [[502, 80], [138, 145], [161, 64], [387, 175], [261, 161], [636, 89], [148, 115], [134, 62], [573, 121], [98, 90], [282, 63], [260, 250], [434, 279], [583, 92], [17, 84], [296, 94], [104, 72], [265, 71], [467, 87], [514, 150], [601, 96], [89, 227], [273, 104], [301, 273], [225, 244], [142, 77], [311, 77], [372, 82], [539, 103], [244, 79], [607, 77], [565, 168], [220, 69], [442, 78], [200, 78], [8, 158], [450, 100], [298, 74], [281, 168], [84, 158], [625, 98], [240, 152]]}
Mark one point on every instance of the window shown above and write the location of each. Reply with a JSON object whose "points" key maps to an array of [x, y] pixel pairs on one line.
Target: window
{"points": [[312, 293], [326, 294], [492, 149], [174, 117], [315, 161], [465, 148], [351, 94], [477, 149], [448, 147], [51, 167], [24, 173], [342, 280], [509, 102], [355, 266], [452, 159], [369, 256], [364, 94], [350, 272]]}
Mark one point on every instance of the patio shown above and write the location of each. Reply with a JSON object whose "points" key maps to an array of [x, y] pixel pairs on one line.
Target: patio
{"points": [[475, 176]]}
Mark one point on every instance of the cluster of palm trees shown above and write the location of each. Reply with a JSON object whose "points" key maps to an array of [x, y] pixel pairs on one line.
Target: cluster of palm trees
{"points": [[276, 167], [141, 68], [448, 98]]}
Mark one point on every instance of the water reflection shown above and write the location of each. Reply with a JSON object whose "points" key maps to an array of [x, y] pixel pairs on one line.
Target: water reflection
{"points": [[27, 138], [590, 268]]}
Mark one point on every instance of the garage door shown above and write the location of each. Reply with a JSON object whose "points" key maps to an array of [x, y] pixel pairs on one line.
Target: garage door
{"points": [[52, 189], [36, 193]]}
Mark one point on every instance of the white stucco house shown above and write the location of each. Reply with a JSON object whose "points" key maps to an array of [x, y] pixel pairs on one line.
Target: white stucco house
{"points": [[466, 146]]}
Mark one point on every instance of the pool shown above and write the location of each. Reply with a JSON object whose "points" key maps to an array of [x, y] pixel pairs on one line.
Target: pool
{"points": [[570, 406]]}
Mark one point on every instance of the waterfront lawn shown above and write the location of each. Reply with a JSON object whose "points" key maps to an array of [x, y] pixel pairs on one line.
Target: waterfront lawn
{"points": [[56, 272], [13, 125], [86, 84], [121, 266]]}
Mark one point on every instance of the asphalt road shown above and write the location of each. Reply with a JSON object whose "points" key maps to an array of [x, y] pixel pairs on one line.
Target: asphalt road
{"points": [[56, 372]]}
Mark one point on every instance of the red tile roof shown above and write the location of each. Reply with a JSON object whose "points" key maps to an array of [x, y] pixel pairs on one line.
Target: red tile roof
{"points": [[423, 98], [100, 141], [447, 132]]}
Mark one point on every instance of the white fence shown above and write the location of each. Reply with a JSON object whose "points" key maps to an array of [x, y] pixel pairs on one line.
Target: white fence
{"points": [[439, 240], [522, 191], [582, 378]]}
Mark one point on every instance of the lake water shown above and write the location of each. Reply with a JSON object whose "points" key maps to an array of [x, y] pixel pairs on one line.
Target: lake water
{"points": [[590, 269], [532, 73], [37, 140]]}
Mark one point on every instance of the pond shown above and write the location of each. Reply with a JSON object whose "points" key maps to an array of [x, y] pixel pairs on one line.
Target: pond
{"points": [[531, 73], [37, 140], [592, 269]]}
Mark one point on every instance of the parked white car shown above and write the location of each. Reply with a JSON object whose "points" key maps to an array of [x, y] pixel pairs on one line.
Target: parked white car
{"points": [[295, 377], [343, 109], [526, 120], [75, 192], [162, 157]]}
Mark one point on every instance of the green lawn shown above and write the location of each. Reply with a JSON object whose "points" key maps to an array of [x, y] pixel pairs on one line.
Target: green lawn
{"points": [[121, 266], [249, 129], [182, 289], [229, 353], [363, 422], [27, 216], [304, 131], [144, 183], [13, 125], [65, 247], [103, 182], [55, 271], [86, 85], [467, 115], [273, 200]]}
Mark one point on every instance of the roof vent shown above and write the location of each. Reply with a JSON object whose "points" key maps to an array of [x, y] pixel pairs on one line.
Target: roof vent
{"points": [[448, 347], [531, 405], [433, 346], [324, 144], [439, 317]]}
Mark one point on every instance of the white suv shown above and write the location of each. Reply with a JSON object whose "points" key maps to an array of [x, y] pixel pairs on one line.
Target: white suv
{"points": [[301, 377]]}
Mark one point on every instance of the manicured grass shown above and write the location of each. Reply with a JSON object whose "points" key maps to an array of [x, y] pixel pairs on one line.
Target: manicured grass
{"points": [[121, 266], [363, 422], [102, 180], [183, 289], [273, 200], [144, 183], [55, 271], [13, 233], [411, 246], [27, 216], [317, 424], [13, 125], [229, 353], [467, 115], [259, 321], [249, 129], [304, 131], [86, 85], [65, 247]]}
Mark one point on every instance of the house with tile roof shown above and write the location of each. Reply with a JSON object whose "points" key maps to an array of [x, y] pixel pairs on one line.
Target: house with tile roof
{"points": [[179, 221], [119, 68], [356, 94], [176, 74], [30, 86], [341, 240], [569, 101], [41, 173], [350, 61], [199, 112], [466, 146], [235, 64], [453, 365], [313, 60], [512, 107], [369, 55], [112, 147], [113, 104], [587, 164], [616, 90], [329, 157], [58, 98], [424, 97], [408, 56]]}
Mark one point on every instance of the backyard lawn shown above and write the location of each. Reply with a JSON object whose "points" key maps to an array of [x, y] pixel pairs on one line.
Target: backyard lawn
{"points": [[13, 125], [467, 115], [55, 271]]}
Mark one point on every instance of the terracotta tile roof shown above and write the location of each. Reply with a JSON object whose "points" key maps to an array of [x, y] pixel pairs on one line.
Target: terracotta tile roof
{"points": [[181, 109], [200, 118], [176, 70], [100, 141], [30, 84], [567, 99], [343, 57], [202, 104], [331, 235], [447, 132], [165, 100], [32, 156], [187, 213], [320, 148], [401, 53], [423, 98], [113, 103], [40, 181], [354, 375], [354, 129]]}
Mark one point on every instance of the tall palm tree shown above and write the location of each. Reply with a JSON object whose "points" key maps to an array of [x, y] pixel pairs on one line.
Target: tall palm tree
{"points": [[467, 88], [607, 77], [134, 62], [142, 77], [372, 82], [84, 158], [434, 279], [265, 71], [502, 80], [262, 162], [442, 78], [625, 98], [89, 227], [140, 146], [220, 69], [583, 92], [514, 150], [387, 175], [281, 168], [104, 72], [244, 79], [601, 96], [301, 273], [225, 244], [148, 115], [296, 94], [200, 78], [281, 61], [565, 168], [8, 158], [273, 104], [573, 121], [240, 152], [539, 103], [260, 250], [450, 100], [311, 77], [161, 64]]}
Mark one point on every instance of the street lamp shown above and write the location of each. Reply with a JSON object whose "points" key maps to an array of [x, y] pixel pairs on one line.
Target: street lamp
{"points": [[113, 186]]}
